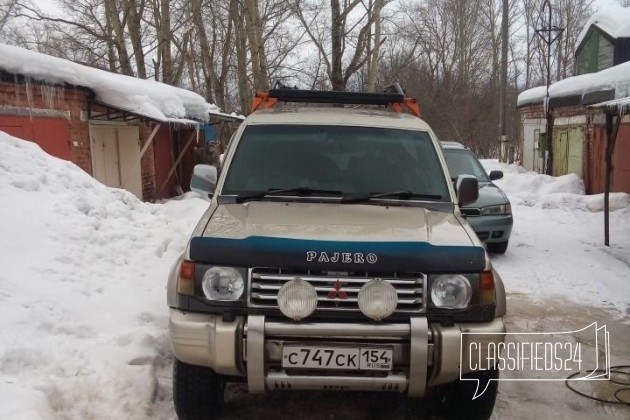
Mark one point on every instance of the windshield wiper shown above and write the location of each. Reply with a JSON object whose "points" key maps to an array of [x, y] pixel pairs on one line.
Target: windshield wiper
{"points": [[400, 195], [299, 191]]}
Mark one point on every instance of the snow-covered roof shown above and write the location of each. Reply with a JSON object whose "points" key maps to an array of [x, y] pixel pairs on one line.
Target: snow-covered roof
{"points": [[617, 77], [614, 20], [148, 98], [622, 105]]}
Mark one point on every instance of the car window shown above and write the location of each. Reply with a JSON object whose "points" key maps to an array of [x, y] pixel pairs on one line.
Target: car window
{"points": [[340, 158], [464, 162]]}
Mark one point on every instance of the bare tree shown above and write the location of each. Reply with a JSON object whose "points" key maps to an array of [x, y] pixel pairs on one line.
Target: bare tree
{"points": [[8, 8], [339, 33], [374, 43], [134, 9]]}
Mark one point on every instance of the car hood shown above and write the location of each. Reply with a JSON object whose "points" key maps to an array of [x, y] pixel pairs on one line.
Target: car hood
{"points": [[489, 195], [298, 233]]}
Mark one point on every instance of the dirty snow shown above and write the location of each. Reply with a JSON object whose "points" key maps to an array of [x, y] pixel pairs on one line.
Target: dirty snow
{"points": [[149, 98], [83, 317]]}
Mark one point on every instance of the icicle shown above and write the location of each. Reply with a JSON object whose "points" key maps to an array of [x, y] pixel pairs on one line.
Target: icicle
{"points": [[29, 96], [48, 94], [16, 84]]}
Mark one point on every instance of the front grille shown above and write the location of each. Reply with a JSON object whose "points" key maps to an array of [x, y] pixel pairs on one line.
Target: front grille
{"points": [[265, 283], [471, 212]]}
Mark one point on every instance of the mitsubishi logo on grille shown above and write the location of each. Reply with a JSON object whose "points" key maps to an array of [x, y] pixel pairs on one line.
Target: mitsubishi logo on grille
{"points": [[336, 292]]}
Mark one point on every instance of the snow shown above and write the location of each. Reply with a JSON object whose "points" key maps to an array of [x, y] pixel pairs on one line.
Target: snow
{"points": [[148, 98], [613, 19], [616, 77], [83, 314], [531, 96], [622, 105], [83, 310], [556, 248]]}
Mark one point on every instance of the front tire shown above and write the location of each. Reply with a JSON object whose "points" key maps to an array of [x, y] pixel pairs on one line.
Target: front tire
{"points": [[198, 392], [455, 400]]}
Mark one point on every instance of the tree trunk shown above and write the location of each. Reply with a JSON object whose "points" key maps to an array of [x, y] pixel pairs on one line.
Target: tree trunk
{"points": [[113, 19], [336, 39], [164, 41], [135, 9], [241, 60], [376, 50], [256, 44], [204, 46]]}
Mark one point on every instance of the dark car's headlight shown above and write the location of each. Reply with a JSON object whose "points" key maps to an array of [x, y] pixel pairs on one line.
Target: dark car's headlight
{"points": [[497, 210]]}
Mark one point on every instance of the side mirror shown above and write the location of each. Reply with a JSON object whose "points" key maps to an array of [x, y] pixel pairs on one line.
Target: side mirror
{"points": [[467, 188], [204, 179], [496, 175]]}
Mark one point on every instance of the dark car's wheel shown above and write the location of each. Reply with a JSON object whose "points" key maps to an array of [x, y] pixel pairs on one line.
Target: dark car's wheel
{"points": [[455, 401], [198, 392], [498, 247]]}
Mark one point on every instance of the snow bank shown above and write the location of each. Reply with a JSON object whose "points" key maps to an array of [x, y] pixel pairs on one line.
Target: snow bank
{"points": [[538, 190], [557, 243], [83, 315], [149, 98]]}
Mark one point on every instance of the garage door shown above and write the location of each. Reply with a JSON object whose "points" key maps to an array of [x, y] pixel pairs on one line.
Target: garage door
{"points": [[116, 156], [51, 134], [568, 151]]}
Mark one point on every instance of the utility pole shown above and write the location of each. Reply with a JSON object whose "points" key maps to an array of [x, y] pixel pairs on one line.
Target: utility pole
{"points": [[503, 83], [549, 34]]}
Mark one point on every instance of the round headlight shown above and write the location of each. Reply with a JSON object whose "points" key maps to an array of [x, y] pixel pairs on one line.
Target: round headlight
{"points": [[377, 299], [451, 291], [297, 299], [222, 283]]}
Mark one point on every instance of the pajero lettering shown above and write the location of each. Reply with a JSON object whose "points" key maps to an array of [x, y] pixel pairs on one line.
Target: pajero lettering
{"points": [[343, 257]]}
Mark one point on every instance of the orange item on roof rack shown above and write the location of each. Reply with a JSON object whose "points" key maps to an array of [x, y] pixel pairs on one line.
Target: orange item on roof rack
{"points": [[393, 96]]}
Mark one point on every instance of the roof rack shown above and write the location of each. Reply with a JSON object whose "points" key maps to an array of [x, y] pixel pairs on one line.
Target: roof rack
{"points": [[393, 96]]}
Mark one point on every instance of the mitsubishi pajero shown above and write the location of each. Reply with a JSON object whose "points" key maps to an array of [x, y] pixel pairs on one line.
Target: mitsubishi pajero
{"points": [[334, 256]]}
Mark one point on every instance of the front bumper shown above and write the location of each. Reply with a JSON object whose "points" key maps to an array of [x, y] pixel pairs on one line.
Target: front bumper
{"points": [[423, 354], [492, 228]]}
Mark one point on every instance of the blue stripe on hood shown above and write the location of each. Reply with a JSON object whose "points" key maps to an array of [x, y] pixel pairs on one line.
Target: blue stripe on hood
{"points": [[263, 251]]}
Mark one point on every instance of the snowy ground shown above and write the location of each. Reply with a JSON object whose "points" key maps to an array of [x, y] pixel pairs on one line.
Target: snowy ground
{"points": [[83, 314]]}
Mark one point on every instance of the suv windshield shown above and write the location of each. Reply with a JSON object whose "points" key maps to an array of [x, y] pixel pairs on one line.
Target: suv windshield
{"points": [[347, 160], [464, 162]]}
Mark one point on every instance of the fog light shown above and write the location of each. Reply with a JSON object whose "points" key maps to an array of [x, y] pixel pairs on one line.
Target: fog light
{"points": [[297, 299], [377, 299], [451, 291]]}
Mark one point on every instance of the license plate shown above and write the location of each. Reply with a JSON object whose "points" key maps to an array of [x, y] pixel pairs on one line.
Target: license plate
{"points": [[347, 358]]}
